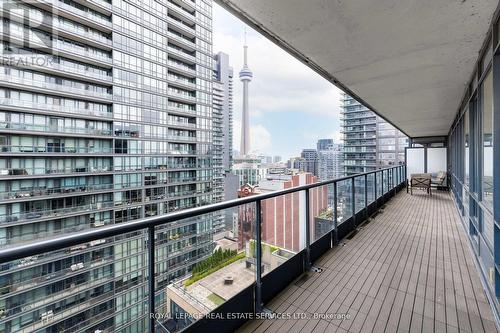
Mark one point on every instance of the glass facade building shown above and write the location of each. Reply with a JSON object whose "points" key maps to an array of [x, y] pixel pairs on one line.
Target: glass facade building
{"points": [[330, 159], [105, 117], [369, 141]]}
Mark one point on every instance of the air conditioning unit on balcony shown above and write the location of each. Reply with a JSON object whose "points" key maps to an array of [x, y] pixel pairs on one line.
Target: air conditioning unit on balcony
{"points": [[78, 248], [76, 267], [98, 223], [97, 242], [47, 316]]}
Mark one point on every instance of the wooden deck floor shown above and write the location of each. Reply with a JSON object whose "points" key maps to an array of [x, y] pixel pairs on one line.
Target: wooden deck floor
{"points": [[408, 270]]}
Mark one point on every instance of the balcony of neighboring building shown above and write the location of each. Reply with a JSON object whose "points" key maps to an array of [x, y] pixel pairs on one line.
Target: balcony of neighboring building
{"points": [[42, 40], [60, 25], [183, 10], [48, 85], [31, 193], [19, 100], [185, 27], [95, 14], [37, 211]]}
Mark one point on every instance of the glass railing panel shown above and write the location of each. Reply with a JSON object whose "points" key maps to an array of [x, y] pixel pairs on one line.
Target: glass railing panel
{"points": [[385, 184], [344, 200], [359, 193], [370, 188], [322, 211], [283, 228], [203, 261], [379, 184]]}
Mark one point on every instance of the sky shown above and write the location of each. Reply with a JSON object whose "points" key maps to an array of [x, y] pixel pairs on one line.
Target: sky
{"points": [[291, 106]]}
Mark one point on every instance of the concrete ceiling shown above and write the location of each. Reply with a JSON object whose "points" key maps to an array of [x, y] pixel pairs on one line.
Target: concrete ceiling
{"points": [[409, 60]]}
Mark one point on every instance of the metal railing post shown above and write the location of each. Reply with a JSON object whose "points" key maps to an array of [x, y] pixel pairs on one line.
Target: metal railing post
{"points": [[394, 177], [393, 182], [151, 278], [382, 183], [335, 214], [308, 232], [258, 257], [376, 189], [366, 196], [388, 181], [353, 204], [405, 176]]}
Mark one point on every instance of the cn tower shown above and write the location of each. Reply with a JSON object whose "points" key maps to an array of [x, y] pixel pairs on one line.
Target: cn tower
{"points": [[245, 77]]}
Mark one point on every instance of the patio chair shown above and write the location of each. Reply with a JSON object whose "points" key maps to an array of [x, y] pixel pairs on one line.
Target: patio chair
{"points": [[439, 180], [420, 181]]}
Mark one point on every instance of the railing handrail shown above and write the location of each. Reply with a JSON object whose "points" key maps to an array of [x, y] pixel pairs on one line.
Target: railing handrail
{"points": [[58, 243]]}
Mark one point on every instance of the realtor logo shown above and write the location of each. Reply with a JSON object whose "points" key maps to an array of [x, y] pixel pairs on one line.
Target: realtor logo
{"points": [[27, 26]]}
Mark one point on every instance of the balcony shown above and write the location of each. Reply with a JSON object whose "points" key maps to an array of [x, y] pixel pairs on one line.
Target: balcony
{"points": [[53, 108], [47, 22], [184, 82], [186, 28], [181, 53], [60, 130], [34, 215], [78, 14], [407, 270], [182, 95], [46, 42], [182, 110], [182, 39], [174, 123], [184, 14], [47, 63], [103, 4], [185, 69], [43, 172], [60, 89], [35, 193], [358, 253], [374, 259], [48, 149], [188, 138]]}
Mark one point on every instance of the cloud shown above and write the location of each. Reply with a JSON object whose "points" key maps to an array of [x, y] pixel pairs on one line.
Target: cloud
{"points": [[260, 138], [291, 106], [337, 137], [281, 83]]}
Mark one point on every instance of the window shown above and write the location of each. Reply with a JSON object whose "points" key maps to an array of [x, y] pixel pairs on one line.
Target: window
{"points": [[466, 142], [487, 140]]}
